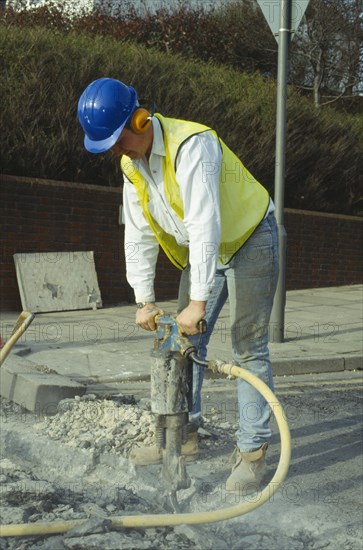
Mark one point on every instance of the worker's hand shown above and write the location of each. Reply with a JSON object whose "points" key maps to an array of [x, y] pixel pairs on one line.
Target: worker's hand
{"points": [[189, 318], [145, 317]]}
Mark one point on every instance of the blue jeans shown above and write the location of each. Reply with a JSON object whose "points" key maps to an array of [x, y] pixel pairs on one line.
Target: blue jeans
{"points": [[249, 281]]}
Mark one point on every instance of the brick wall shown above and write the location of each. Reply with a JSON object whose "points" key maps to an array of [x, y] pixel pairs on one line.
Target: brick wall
{"points": [[323, 249], [47, 216]]}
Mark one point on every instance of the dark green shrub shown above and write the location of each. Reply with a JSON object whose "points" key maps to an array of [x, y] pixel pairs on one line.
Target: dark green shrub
{"points": [[44, 71]]}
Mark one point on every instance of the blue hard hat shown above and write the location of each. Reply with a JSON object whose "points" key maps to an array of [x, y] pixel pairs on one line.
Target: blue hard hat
{"points": [[103, 110]]}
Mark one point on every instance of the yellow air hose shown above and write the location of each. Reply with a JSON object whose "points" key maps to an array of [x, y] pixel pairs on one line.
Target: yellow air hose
{"points": [[163, 520]]}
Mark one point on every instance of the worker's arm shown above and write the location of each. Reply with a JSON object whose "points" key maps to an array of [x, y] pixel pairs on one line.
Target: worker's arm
{"points": [[198, 169], [141, 252], [141, 247]]}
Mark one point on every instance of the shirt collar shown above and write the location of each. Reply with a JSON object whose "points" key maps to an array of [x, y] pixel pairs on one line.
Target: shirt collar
{"points": [[158, 147]]}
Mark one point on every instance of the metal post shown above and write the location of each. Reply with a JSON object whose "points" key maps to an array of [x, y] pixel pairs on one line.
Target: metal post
{"points": [[278, 310]]}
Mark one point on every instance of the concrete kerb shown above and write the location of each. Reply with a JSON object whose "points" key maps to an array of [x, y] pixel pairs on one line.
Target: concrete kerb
{"points": [[36, 388], [40, 392]]}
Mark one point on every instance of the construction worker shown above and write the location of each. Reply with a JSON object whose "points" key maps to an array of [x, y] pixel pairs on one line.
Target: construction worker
{"points": [[186, 191]]}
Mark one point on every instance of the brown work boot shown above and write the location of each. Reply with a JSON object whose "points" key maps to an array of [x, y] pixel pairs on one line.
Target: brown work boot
{"points": [[146, 455], [248, 472]]}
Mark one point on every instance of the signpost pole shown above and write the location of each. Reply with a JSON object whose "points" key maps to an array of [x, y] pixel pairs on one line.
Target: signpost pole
{"points": [[290, 12], [278, 311]]}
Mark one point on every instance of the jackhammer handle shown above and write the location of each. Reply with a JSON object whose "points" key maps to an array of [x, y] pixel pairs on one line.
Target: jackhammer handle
{"points": [[202, 324]]}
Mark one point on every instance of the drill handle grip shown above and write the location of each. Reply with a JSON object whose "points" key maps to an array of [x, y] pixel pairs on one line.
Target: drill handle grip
{"points": [[202, 326]]}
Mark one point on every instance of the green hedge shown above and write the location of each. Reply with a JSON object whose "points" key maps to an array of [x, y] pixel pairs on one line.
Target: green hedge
{"points": [[44, 72]]}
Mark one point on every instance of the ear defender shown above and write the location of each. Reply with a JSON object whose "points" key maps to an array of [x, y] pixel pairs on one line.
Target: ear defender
{"points": [[140, 120]]}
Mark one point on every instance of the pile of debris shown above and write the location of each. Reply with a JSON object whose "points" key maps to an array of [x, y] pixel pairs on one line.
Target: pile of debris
{"points": [[117, 424], [106, 425]]}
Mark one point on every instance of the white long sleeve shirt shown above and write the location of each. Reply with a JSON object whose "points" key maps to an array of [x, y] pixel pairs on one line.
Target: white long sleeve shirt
{"points": [[197, 173]]}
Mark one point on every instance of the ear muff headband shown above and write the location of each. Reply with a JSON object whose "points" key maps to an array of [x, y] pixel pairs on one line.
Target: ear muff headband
{"points": [[140, 120]]}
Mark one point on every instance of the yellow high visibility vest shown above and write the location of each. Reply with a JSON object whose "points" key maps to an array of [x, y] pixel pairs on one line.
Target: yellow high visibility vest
{"points": [[243, 200]]}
